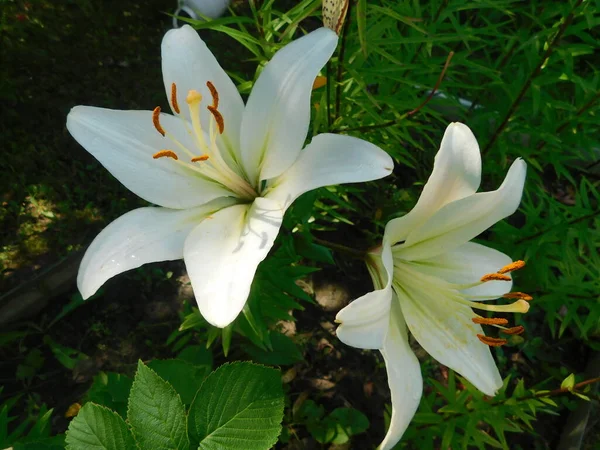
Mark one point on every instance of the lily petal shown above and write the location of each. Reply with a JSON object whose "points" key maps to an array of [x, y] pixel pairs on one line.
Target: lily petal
{"points": [[445, 330], [467, 264], [456, 174], [223, 252], [187, 62], [364, 322], [124, 142], [331, 159], [460, 221], [138, 237], [277, 114], [404, 377]]}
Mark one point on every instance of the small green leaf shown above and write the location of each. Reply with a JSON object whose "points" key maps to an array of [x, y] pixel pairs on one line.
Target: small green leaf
{"points": [[97, 427], [156, 413], [568, 382], [339, 426], [239, 405], [361, 20], [284, 351], [111, 390]]}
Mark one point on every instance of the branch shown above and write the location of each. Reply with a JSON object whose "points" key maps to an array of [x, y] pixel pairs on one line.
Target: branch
{"points": [[570, 222]]}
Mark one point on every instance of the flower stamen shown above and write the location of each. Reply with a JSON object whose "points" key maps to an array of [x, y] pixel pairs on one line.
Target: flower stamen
{"points": [[514, 330], [174, 103], [516, 265], [165, 153], [492, 342], [156, 120], [214, 94], [200, 158], [218, 118], [494, 277], [489, 320], [518, 295]]}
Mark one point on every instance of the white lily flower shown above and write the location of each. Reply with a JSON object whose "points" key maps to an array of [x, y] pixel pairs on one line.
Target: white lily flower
{"points": [[223, 173], [429, 278]]}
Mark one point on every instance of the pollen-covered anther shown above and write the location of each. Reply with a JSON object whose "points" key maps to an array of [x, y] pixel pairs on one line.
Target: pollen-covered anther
{"points": [[156, 120], [518, 295], [492, 342], [494, 277], [165, 154], [214, 94], [512, 267], [174, 103], [218, 118], [514, 330], [200, 158], [193, 97], [489, 320]]}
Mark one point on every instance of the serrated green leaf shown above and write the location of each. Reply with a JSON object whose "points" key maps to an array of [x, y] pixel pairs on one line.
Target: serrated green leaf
{"points": [[156, 412], [97, 427], [239, 405]]}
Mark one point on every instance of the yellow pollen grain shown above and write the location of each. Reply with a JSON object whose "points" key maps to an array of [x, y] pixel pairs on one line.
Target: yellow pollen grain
{"points": [[214, 93], [512, 267], [514, 330], [200, 158], [518, 295], [174, 103], [156, 120], [489, 321], [494, 277], [193, 97], [492, 342], [218, 118], [165, 153]]}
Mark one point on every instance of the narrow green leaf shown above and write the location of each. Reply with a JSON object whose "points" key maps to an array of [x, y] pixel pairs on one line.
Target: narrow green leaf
{"points": [[156, 412], [361, 19], [239, 405], [97, 427]]}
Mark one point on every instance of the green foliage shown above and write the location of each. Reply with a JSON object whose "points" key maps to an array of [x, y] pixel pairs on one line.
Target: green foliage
{"points": [[240, 405], [156, 412], [100, 428]]}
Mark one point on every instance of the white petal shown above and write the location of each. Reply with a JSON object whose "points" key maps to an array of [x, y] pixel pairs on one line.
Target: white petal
{"points": [[223, 252], [364, 322], [404, 378], [124, 142], [277, 114], [331, 159], [467, 264], [445, 330], [141, 236], [456, 174], [460, 221], [187, 62]]}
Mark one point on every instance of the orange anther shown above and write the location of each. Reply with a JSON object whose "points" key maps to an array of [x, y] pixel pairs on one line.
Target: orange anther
{"points": [[156, 121], [320, 81], [200, 158], [489, 321], [519, 295], [514, 330], [512, 267], [218, 118], [165, 153], [214, 94], [494, 276], [174, 103], [492, 342]]}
